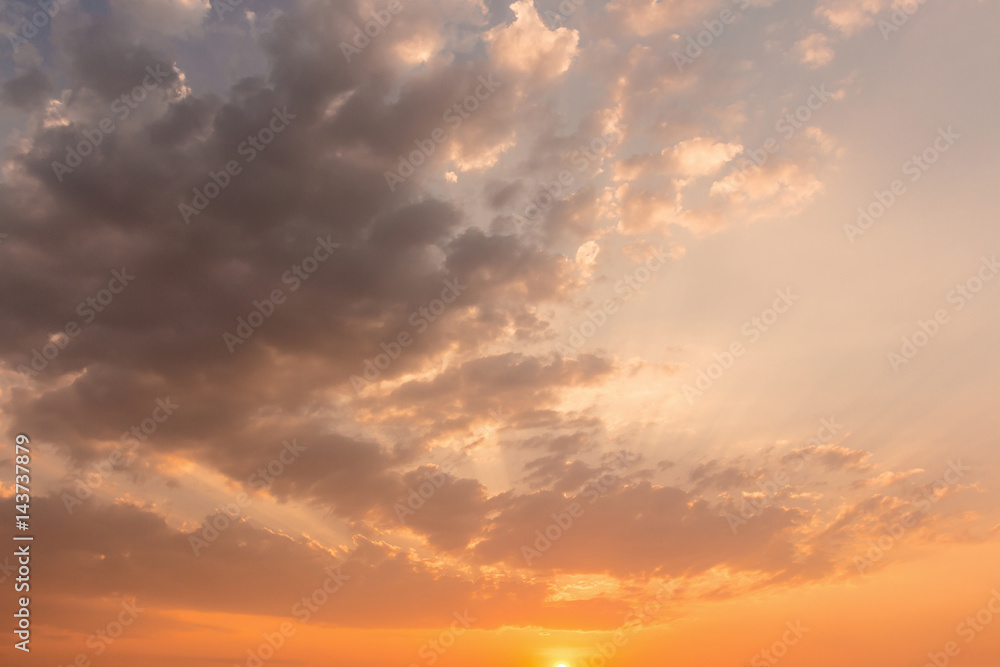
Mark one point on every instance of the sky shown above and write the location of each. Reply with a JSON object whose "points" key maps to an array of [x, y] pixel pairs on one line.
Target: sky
{"points": [[506, 334]]}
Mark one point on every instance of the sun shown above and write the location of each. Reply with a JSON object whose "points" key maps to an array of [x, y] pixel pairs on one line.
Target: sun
{"points": [[562, 664]]}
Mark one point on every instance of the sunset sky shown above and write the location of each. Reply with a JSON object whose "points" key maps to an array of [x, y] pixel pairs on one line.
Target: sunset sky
{"points": [[580, 333]]}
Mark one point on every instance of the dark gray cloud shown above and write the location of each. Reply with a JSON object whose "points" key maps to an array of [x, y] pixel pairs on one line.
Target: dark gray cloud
{"points": [[26, 92]]}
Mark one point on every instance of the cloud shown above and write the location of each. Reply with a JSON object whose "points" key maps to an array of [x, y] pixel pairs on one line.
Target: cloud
{"points": [[653, 156], [528, 46], [814, 50], [849, 16], [834, 457], [128, 551], [27, 91], [702, 156], [669, 533]]}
